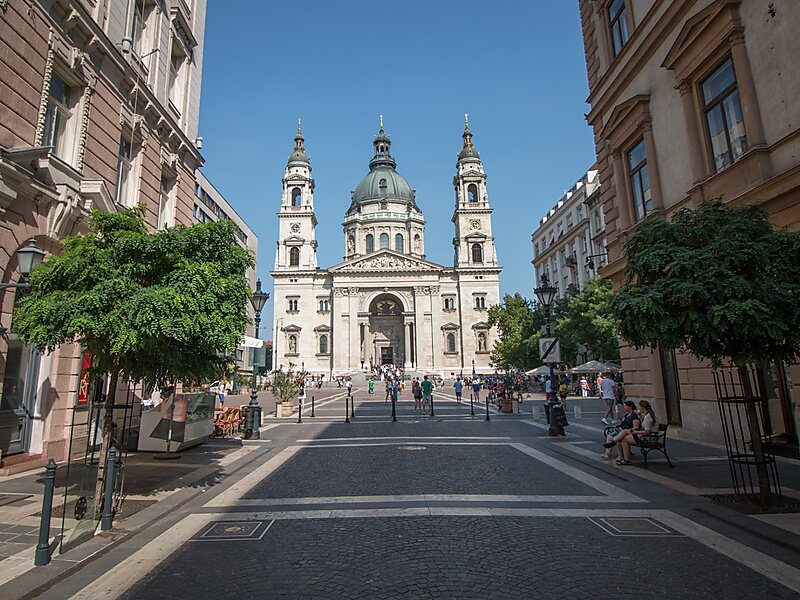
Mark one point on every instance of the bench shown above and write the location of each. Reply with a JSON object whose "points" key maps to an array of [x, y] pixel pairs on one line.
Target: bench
{"points": [[655, 441]]}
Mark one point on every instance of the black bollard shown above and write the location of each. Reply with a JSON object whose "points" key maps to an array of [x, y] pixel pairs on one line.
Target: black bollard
{"points": [[472, 404], [346, 410], [108, 515], [352, 407], [487, 408], [433, 415], [42, 555], [312, 406], [394, 414], [299, 411]]}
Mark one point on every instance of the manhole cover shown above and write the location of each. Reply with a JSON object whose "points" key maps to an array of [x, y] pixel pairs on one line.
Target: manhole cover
{"points": [[631, 527], [413, 448], [235, 530]]}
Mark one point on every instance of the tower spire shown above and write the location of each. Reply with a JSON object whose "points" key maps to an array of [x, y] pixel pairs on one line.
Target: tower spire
{"points": [[468, 149], [382, 144], [299, 152]]}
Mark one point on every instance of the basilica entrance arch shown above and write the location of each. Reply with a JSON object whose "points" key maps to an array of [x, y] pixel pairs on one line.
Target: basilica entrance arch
{"points": [[386, 331]]}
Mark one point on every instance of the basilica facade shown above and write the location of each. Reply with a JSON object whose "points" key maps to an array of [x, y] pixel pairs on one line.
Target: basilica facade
{"points": [[385, 303]]}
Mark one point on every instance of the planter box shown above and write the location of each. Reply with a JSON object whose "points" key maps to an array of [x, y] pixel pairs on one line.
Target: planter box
{"points": [[284, 409], [506, 406]]}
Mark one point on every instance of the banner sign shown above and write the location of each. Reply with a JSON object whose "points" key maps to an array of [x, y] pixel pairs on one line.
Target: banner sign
{"points": [[83, 386]]}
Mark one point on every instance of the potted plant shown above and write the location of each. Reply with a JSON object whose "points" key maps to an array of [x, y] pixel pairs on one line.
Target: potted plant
{"points": [[286, 387]]}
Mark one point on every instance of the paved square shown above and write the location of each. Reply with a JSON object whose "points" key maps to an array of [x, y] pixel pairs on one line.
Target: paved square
{"points": [[427, 469]]}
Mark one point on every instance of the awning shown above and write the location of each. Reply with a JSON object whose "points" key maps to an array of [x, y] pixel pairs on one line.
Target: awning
{"points": [[251, 342]]}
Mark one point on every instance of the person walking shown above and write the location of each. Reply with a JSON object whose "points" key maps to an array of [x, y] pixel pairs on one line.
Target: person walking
{"points": [[584, 388], [388, 384], [349, 387], [416, 391], [459, 387], [476, 389], [607, 393], [427, 392], [395, 388], [371, 387]]}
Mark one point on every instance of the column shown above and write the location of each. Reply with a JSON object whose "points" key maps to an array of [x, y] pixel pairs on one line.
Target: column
{"points": [[407, 327], [625, 216], [692, 132], [652, 167], [747, 91]]}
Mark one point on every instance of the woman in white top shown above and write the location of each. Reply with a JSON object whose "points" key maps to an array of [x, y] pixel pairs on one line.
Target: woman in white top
{"points": [[649, 422]]}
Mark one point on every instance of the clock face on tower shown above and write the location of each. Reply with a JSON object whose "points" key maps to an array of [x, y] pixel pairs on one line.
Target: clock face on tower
{"points": [[475, 224], [295, 228]]}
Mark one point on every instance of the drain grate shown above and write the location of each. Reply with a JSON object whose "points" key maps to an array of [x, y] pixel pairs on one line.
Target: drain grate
{"points": [[234, 530], [633, 527], [413, 448]]}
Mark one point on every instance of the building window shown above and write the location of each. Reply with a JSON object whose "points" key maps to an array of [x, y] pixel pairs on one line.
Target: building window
{"points": [[124, 189], [398, 242], [384, 240], [60, 118], [294, 257], [536, 249], [292, 305], [618, 19], [640, 181], [324, 306], [323, 344], [481, 342], [724, 115], [480, 302], [472, 192], [297, 197], [451, 342], [139, 32], [477, 253], [370, 243], [177, 77], [449, 303]]}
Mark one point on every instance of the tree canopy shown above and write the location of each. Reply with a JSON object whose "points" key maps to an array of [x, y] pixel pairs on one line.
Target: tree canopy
{"points": [[519, 322], [719, 282], [161, 307], [586, 319]]}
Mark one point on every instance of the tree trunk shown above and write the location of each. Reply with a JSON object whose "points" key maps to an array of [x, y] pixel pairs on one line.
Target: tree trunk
{"points": [[105, 444], [764, 493]]}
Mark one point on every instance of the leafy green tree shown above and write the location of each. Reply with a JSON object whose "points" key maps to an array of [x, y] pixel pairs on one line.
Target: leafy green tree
{"points": [[519, 322], [586, 318], [155, 308], [720, 283]]}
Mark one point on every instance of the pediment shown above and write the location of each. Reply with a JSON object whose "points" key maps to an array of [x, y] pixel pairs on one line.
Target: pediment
{"points": [[481, 325], [472, 173], [705, 24], [636, 106], [294, 240], [476, 235], [449, 327], [292, 328], [386, 261]]}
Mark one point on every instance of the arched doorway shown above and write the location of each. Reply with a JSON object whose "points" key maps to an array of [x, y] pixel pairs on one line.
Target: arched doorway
{"points": [[386, 330]]}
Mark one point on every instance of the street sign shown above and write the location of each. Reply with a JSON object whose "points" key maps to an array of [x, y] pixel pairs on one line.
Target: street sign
{"points": [[549, 350]]}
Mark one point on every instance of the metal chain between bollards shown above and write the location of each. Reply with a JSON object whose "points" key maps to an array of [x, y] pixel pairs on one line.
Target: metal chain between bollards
{"points": [[42, 555]]}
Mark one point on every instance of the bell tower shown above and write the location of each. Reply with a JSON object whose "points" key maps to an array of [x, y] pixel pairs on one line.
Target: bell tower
{"points": [[297, 243], [473, 243]]}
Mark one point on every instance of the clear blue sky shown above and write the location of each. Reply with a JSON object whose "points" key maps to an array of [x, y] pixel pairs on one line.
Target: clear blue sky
{"points": [[517, 67]]}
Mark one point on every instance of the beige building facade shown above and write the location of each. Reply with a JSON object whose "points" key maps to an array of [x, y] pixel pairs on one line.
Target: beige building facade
{"points": [[386, 303], [694, 100], [99, 107], [569, 244]]}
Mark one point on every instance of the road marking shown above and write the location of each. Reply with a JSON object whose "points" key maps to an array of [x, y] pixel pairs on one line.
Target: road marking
{"points": [[405, 437], [410, 498]]}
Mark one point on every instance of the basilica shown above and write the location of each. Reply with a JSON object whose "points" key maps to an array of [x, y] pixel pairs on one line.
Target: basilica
{"points": [[385, 303]]}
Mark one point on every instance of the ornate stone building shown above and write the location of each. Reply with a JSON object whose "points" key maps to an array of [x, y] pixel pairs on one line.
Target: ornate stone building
{"points": [[694, 100], [386, 303], [99, 108]]}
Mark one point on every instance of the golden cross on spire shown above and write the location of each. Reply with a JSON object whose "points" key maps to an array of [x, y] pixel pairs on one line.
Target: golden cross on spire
{"points": [[298, 124]]}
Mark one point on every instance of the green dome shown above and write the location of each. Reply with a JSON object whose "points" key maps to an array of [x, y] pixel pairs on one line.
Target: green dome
{"points": [[383, 182]]}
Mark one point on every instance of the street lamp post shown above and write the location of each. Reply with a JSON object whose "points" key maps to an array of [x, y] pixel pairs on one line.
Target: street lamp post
{"points": [[27, 258], [545, 294], [253, 420]]}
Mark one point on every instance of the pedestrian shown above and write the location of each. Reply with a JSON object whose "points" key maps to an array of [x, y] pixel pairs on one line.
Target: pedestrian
{"points": [[548, 389], [584, 387], [349, 387], [371, 387], [607, 393], [427, 392], [416, 391], [395, 388], [221, 389], [459, 386], [476, 388], [388, 385], [619, 396]]}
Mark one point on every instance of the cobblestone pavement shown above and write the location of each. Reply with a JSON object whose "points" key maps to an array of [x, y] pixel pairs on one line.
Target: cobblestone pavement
{"points": [[451, 506]]}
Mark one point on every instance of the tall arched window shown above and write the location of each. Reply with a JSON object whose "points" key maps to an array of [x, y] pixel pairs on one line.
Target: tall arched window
{"points": [[323, 344], [451, 342], [297, 197], [472, 192], [384, 240], [477, 253], [370, 243], [398, 242], [294, 257]]}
